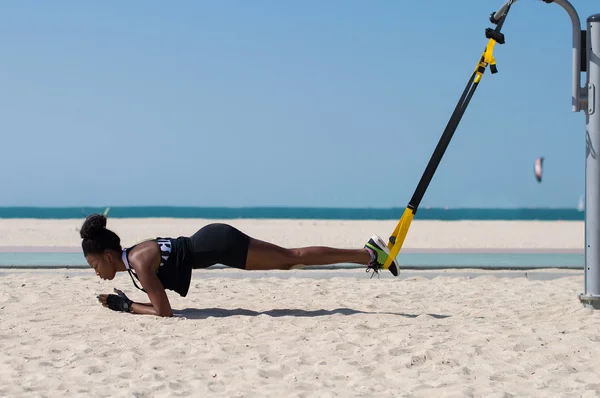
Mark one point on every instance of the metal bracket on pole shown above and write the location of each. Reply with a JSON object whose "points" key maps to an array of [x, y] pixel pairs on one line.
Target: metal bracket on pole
{"points": [[591, 103]]}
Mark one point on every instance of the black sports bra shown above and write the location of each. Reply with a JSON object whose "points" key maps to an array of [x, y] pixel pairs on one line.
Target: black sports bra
{"points": [[165, 246], [175, 269]]}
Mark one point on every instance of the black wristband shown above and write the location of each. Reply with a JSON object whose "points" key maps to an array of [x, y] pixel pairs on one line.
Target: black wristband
{"points": [[118, 303]]}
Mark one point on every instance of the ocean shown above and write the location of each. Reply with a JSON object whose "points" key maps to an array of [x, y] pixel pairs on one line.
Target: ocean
{"points": [[318, 213]]}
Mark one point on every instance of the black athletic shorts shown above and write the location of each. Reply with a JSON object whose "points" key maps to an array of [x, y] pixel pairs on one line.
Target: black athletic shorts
{"points": [[219, 244]]}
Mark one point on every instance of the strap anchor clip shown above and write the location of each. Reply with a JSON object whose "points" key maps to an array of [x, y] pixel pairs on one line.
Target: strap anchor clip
{"points": [[495, 35]]}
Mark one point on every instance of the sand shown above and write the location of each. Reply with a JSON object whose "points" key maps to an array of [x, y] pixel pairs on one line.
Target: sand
{"points": [[301, 337], [305, 333], [290, 233]]}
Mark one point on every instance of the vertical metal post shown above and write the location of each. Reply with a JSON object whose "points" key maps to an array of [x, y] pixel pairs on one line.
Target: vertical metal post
{"points": [[586, 54], [591, 296]]}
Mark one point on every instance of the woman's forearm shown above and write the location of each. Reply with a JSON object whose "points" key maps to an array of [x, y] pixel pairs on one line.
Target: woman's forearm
{"points": [[145, 309], [146, 304]]}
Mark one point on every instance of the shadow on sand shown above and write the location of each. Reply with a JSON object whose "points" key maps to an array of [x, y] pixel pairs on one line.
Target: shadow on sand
{"points": [[203, 313]]}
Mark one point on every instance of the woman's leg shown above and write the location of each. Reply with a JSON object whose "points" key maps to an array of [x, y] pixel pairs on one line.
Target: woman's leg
{"points": [[224, 244], [264, 256]]}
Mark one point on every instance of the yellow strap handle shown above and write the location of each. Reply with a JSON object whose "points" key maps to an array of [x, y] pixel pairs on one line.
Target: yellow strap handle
{"points": [[487, 58], [399, 235]]}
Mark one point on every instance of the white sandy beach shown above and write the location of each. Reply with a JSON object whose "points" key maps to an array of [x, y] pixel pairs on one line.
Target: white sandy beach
{"points": [[282, 334], [290, 233], [301, 337]]}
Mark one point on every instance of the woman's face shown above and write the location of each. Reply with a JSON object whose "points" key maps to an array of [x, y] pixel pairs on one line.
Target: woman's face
{"points": [[104, 264]]}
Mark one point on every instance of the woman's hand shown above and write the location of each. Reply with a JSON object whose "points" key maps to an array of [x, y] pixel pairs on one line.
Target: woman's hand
{"points": [[116, 302]]}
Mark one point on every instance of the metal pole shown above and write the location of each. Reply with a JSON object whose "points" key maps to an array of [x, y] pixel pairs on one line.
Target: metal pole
{"points": [[585, 54], [591, 296]]}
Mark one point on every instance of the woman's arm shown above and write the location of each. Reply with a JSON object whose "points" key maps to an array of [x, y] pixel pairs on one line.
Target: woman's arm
{"points": [[160, 305], [144, 260], [145, 309], [146, 304], [120, 302]]}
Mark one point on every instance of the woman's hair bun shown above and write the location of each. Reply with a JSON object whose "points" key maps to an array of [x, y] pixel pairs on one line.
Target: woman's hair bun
{"points": [[92, 226]]}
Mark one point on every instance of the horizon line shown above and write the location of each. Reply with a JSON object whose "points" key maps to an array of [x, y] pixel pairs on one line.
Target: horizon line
{"points": [[294, 207]]}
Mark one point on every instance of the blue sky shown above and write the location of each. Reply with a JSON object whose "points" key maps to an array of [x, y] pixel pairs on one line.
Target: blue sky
{"points": [[280, 103]]}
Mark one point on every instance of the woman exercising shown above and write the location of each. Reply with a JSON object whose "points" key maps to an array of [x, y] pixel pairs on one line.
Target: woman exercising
{"points": [[167, 263]]}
